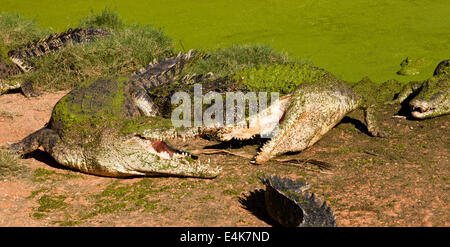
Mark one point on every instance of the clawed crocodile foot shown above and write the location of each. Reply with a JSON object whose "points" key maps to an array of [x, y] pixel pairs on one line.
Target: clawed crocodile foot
{"points": [[379, 133]]}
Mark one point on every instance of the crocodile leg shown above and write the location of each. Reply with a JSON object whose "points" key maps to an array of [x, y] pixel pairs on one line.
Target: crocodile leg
{"points": [[52, 144], [47, 138], [407, 90], [28, 90], [43, 137], [371, 122], [143, 101]]}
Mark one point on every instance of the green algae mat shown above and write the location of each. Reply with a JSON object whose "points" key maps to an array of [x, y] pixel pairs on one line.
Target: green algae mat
{"points": [[350, 38]]}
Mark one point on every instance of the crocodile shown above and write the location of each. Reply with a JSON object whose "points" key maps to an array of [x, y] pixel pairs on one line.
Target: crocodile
{"points": [[291, 204], [110, 127], [429, 98], [300, 118], [16, 61], [410, 66]]}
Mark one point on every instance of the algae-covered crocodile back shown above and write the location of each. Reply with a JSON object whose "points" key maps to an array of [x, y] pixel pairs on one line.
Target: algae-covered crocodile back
{"points": [[375, 93], [91, 108], [114, 104], [281, 78]]}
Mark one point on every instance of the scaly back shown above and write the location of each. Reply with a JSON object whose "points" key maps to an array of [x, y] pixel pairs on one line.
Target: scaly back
{"points": [[52, 43]]}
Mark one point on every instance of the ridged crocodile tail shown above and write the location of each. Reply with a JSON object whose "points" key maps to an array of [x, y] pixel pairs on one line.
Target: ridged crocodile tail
{"points": [[52, 43], [166, 70], [291, 204]]}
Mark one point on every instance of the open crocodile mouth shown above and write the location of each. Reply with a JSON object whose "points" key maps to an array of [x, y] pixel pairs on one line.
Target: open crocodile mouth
{"points": [[160, 148], [421, 112], [153, 157]]}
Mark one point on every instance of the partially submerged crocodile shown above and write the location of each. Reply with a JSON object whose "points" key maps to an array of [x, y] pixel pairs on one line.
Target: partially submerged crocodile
{"points": [[110, 127], [16, 61], [290, 203], [429, 98], [410, 66]]}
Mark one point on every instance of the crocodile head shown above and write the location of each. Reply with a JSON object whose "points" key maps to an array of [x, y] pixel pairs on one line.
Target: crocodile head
{"points": [[410, 66], [434, 96], [132, 155], [443, 69]]}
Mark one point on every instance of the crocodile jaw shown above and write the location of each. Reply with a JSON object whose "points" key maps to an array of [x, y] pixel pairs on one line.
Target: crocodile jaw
{"points": [[160, 158], [263, 123], [133, 156], [421, 115], [312, 112], [159, 148], [422, 109], [428, 113]]}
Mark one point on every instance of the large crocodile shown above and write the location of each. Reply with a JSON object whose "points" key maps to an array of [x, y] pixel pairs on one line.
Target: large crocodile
{"points": [[110, 127], [429, 98], [299, 118], [16, 61]]}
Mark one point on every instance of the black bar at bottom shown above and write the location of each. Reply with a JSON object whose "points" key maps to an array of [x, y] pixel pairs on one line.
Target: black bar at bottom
{"points": [[228, 236]]}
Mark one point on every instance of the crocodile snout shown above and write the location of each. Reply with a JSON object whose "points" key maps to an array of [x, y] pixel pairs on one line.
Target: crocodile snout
{"points": [[419, 108]]}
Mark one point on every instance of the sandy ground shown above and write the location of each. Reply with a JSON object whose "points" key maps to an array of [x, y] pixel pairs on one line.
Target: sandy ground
{"points": [[402, 180]]}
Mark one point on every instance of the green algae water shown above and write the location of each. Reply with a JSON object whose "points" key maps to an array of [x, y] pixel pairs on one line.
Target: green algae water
{"points": [[350, 38]]}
